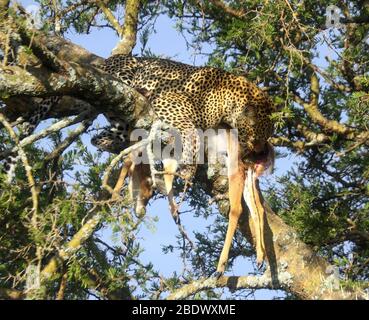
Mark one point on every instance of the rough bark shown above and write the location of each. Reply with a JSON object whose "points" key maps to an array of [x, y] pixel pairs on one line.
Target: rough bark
{"points": [[82, 79]]}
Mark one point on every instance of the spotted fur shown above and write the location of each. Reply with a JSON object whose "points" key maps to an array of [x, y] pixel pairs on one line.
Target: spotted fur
{"points": [[27, 126]]}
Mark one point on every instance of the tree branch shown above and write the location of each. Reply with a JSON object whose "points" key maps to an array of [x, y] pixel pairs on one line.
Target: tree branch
{"points": [[4, 4], [128, 34], [233, 283], [48, 59], [71, 247], [82, 80], [314, 113], [227, 9], [27, 167], [110, 17], [11, 294], [45, 132], [68, 141]]}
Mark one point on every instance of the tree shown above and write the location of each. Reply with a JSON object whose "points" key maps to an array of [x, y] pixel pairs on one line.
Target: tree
{"points": [[318, 219]]}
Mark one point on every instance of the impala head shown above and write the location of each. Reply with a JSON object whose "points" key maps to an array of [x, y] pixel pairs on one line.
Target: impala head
{"points": [[263, 158]]}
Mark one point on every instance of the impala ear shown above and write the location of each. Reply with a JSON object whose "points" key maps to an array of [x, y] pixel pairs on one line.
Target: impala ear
{"points": [[146, 93], [271, 157]]}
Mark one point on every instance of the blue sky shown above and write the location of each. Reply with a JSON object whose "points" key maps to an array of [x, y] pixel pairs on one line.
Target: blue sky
{"points": [[166, 41]]}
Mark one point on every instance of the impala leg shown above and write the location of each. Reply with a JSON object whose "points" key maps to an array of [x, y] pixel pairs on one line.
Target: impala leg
{"points": [[236, 182], [146, 190], [261, 216], [249, 194], [170, 167], [122, 176], [140, 185]]}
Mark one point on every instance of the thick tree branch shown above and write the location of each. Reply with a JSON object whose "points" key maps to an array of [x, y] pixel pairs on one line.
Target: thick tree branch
{"points": [[63, 285], [4, 4], [227, 9], [233, 283], [82, 79], [87, 83], [49, 59], [128, 34], [72, 246]]}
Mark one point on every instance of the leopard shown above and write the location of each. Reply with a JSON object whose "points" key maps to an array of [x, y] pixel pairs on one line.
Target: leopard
{"points": [[188, 97], [191, 98]]}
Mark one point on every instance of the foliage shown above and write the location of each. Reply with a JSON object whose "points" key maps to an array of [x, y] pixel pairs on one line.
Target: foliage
{"points": [[66, 201]]}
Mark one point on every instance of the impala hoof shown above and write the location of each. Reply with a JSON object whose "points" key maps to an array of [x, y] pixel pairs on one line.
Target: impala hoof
{"points": [[217, 274], [259, 265]]}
